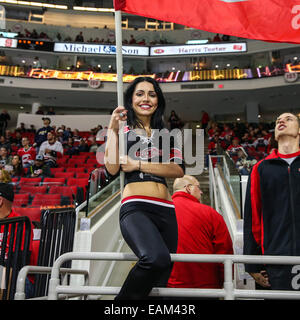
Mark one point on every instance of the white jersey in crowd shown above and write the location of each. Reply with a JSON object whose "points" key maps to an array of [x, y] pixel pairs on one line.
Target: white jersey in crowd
{"points": [[56, 146]]}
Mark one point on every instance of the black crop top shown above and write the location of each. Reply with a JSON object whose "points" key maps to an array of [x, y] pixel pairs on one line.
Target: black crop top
{"points": [[161, 147]]}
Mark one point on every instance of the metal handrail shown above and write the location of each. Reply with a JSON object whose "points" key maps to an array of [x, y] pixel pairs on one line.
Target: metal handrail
{"points": [[20, 289], [228, 292]]}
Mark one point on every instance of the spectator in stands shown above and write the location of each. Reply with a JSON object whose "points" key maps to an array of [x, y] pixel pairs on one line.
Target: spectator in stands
{"points": [[5, 176], [8, 136], [201, 230], [39, 110], [260, 143], [142, 42], [272, 210], [58, 37], [60, 136], [83, 146], [34, 34], [244, 163], [174, 121], [51, 150], [42, 133], [17, 140], [76, 136], [211, 149], [132, 39], [51, 111], [70, 148], [79, 37], [32, 129], [217, 38], [22, 128], [39, 169], [204, 120], [93, 145], [4, 142], [37, 63], [4, 118], [17, 168], [226, 136], [27, 153], [4, 156], [234, 147]]}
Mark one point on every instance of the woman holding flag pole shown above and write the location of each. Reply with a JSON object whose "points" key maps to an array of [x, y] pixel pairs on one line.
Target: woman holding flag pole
{"points": [[147, 215]]}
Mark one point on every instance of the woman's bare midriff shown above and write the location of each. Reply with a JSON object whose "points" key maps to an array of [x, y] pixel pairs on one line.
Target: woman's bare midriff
{"points": [[148, 188]]}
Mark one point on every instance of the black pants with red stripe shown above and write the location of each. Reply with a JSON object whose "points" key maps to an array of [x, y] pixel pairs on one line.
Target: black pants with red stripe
{"points": [[151, 232]]}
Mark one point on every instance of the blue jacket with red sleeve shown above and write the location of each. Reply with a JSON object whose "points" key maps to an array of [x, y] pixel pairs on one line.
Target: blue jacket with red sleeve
{"points": [[272, 208]]}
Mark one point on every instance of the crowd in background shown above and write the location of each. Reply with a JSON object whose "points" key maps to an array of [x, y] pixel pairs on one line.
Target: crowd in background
{"points": [[80, 37], [28, 152], [245, 143]]}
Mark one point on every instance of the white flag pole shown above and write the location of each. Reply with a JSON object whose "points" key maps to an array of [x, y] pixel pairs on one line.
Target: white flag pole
{"points": [[119, 59]]}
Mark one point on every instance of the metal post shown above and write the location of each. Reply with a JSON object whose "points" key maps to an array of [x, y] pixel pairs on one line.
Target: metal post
{"points": [[228, 284], [119, 59]]}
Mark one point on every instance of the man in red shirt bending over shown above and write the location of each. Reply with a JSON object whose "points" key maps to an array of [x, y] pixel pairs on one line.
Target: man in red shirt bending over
{"points": [[201, 230]]}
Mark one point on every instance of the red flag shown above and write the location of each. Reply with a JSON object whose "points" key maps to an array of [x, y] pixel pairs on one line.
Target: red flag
{"points": [[270, 20]]}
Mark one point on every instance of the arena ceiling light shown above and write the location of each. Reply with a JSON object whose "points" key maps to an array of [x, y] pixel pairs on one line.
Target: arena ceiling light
{"points": [[92, 9], [35, 4]]}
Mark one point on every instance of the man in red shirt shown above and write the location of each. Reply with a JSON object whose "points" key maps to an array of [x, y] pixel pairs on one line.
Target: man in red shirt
{"points": [[27, 153], [201, 230]]}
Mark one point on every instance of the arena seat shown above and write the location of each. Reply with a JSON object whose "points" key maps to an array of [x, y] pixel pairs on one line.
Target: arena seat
{"points": [[21, 199], [46, 200], [33, 189], [54, 181], [68, 194], [80, 157], [59, 169], [30, 181], [63, 190], [65, 175], [82, 175], [83, 183], [74, 169], [34, 214], [74, 162]]}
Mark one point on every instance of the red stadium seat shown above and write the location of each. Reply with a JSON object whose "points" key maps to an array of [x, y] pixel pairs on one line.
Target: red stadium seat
{"points": [[54, 170], [46, 200], [30, 181], [63, 190], [68, 194], [83, 183], [73, 169], [65, 175], [33, 189], [54, 181], [82, 175], [62, 162], [34, 214], [21, 199], [75, 162]]}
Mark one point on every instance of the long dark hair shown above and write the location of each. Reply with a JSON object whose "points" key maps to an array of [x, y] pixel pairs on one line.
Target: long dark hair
{"points": [[157, 117]]}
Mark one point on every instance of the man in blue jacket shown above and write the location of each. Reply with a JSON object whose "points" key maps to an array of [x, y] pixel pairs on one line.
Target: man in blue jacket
{"points": [[272, 208], [42, 133]]}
